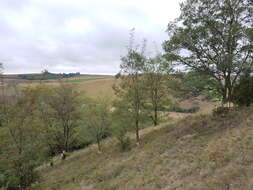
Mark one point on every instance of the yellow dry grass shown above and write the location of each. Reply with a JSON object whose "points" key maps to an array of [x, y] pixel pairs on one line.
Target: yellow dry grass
{"points": [[91, 88], [96, 88], [196, 152]]}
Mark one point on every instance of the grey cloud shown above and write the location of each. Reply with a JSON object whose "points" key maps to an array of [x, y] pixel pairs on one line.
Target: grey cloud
{"points": [[70, 36]]}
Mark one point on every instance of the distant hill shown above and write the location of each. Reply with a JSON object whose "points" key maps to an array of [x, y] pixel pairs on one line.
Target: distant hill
{"points": [[47, 76]]}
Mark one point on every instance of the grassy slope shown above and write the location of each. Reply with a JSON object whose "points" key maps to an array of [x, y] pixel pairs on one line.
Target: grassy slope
{"points": [[199, 152], [95, 88], [83, 80], [91, 86]]}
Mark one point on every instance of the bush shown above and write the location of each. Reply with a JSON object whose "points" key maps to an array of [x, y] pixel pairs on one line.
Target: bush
{"points": [[221, 111], [16, 177], [125, 144], [243, 91]]}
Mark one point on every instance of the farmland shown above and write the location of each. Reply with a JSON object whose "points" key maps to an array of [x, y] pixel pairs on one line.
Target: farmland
{"points": [[91, 86]]}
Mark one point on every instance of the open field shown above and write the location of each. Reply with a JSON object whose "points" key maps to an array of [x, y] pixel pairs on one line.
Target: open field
{"points": [[90, 85]]}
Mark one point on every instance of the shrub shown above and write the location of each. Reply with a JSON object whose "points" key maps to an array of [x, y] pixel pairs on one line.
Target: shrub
{"points": [[125, 144], [221, 111], [18, 175], [243, 91]]}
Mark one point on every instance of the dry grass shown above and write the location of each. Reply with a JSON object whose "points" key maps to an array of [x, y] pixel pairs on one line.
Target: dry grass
{"points": [[95, 88], [199, 152], [89, 88]]}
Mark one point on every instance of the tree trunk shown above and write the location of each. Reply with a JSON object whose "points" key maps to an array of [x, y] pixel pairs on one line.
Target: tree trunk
{"points": [[98, 143], [156, 117], [67, 139], [137, 131]]}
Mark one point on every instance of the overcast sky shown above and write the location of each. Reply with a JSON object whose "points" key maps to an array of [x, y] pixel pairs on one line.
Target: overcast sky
{"points": [[86, 36]]}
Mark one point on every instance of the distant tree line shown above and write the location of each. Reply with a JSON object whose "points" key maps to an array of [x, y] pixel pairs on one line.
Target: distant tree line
{"points": [[45, 75]]}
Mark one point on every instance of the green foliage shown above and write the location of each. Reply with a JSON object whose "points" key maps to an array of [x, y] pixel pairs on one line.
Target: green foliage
{"points": [[20, 142], [60, 114], [125, 144], [156, 89], [243, 91], [122, 124], [98, 119], [216, 46], [193, 84], [46, 121], [131, 89]]}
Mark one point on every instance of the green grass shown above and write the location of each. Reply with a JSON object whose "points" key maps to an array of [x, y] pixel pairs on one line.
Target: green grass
{"points": [[83, 80]]}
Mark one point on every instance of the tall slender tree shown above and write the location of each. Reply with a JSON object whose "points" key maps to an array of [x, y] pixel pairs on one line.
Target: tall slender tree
{"points": [[97, 119], [130, 88], [156, 72]]}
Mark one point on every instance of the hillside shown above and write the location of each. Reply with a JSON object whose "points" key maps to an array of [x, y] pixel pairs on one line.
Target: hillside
{"points": [[91, 86], [198, 152], [95, 88]]}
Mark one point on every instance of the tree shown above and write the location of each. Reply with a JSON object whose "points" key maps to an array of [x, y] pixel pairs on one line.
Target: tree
{"points": [[130, 89], [156, 72], [20, 142], [122, 124], [210, 37], [97, 119], [60, 113]]}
